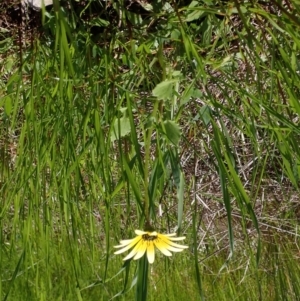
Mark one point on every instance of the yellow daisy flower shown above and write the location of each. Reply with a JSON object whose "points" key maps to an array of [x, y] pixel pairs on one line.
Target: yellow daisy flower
{"points": [[145, 241]]}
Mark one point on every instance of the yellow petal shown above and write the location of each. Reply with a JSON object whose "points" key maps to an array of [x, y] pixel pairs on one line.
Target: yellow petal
{"points": [[134, 250], [168, 235], [162, 245], [163, 249], [150, 252], [139, 232], [169, 245], [125, 248], [122, 250], [152, 233], [141, 250], [128, 243], [168, 241], [177, 245], [173, 249], [177, 238]]}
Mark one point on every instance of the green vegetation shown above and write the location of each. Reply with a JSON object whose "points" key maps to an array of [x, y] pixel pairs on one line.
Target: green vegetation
{"points": [[183, 113]]}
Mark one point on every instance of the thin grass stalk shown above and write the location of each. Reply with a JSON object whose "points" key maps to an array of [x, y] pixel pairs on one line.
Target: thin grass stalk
{"points": [[195, 248], [217, 147], [148, 135], [16, 271]]}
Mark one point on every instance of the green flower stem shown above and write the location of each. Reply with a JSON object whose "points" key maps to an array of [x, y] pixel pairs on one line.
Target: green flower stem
{"points": [[142, 280]]}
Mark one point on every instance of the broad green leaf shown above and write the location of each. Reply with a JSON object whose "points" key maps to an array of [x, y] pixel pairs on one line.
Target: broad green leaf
{"points": [[135, 19], [196, 14], [121, 128], [205, 113], [172, 131], [8, 105], [147, 6], [168, 7], [99, 22], [164, 90]]}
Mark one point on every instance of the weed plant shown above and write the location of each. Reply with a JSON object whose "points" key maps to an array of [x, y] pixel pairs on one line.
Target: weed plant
{"points": [[187, 111]]}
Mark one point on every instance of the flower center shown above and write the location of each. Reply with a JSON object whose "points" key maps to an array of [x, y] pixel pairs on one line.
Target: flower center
{"points": [[149, 237]]}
